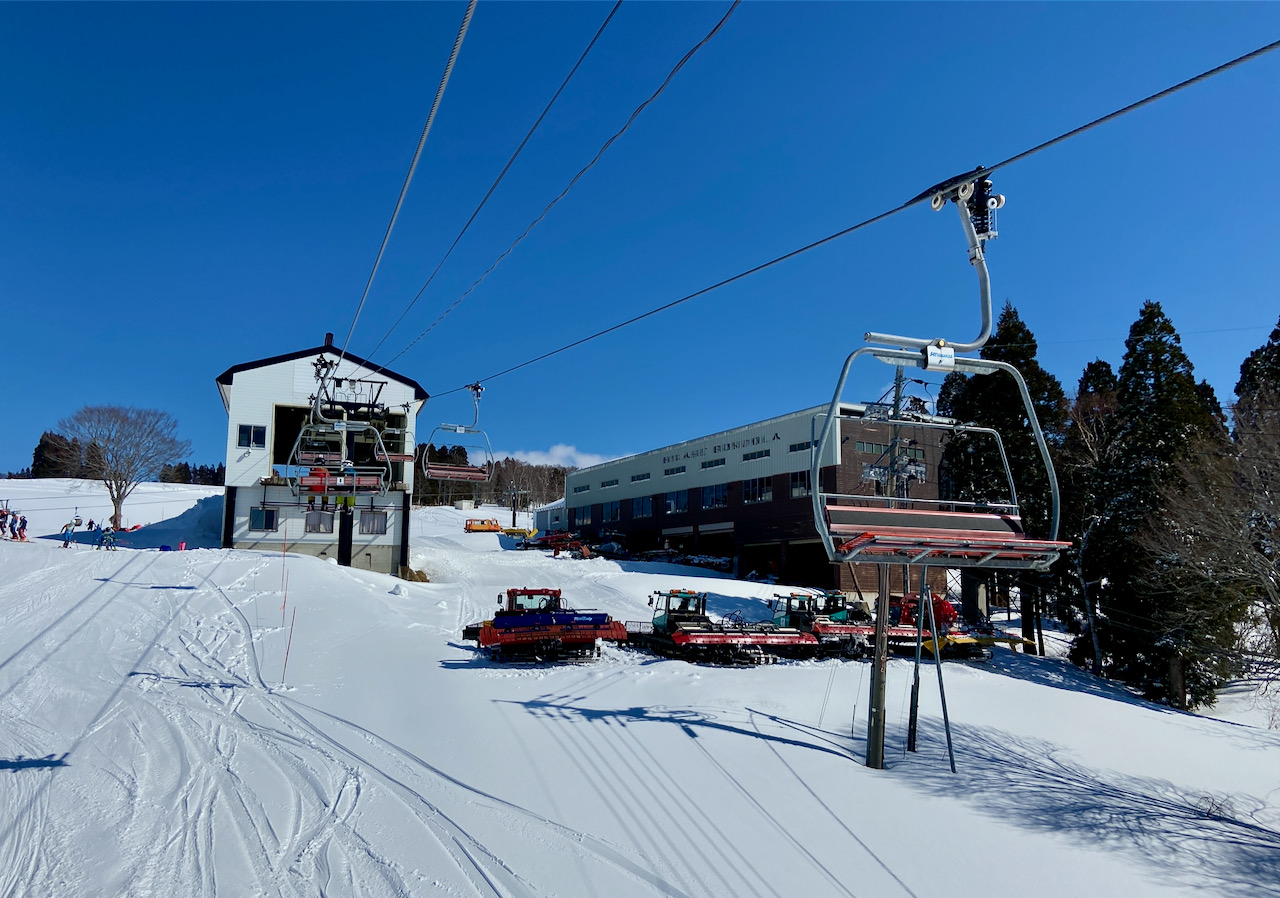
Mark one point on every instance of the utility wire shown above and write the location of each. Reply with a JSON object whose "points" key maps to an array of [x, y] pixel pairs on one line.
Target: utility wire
{"points": [[574, 180], [426, 129], [501, 175], [928, 194]]}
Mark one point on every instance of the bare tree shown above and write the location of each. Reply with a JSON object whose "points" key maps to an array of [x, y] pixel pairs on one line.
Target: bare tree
{"points": [[122, 447], [1218, 545]]}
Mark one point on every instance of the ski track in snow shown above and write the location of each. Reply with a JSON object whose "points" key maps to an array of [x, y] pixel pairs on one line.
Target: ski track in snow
{"points": [[189, 774]]}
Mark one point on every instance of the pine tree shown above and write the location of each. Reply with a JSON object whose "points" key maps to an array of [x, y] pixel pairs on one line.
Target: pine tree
{"points": [[1160, 413], [49, 457]]}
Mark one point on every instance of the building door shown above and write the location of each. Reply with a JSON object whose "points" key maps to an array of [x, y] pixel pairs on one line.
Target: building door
{"points": [[345, 521]]}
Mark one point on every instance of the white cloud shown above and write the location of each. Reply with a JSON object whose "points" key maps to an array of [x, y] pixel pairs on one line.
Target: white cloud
{"points": [[559, 454]]}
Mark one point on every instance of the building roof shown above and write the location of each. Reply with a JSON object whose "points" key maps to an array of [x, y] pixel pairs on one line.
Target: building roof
{"points": [[226, 378]]}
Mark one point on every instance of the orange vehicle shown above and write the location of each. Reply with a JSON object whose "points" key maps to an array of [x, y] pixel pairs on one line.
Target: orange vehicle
{"points": [[483, 525]]}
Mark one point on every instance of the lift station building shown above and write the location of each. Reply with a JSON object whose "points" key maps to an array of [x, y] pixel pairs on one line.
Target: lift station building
{"points": [[285, 492]]}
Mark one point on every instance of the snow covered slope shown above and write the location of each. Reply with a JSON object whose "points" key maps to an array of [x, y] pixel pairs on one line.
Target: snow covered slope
{"points": [[153, 742]]}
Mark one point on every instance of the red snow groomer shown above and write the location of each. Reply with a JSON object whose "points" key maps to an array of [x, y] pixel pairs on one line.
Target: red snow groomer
{"points": [[682, 629], [536, 625]]}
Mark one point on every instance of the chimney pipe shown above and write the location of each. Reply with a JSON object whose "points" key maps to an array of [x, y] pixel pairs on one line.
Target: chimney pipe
{"points": [[328, 339]]}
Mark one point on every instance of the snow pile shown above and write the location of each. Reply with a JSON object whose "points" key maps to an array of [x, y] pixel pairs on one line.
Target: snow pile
{"points": [[231, 723]]}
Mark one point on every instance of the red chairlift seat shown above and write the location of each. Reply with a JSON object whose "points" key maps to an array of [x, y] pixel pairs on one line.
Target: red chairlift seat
{"points": [[935, 537], [470, 473]]}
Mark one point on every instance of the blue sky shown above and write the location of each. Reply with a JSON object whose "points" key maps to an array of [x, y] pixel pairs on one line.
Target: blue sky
{"points": [[191, 186]]}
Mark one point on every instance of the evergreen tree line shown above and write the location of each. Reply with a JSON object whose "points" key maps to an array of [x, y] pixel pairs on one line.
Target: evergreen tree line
{"points": [[58, 456], [1172, 584], [531, 485]]}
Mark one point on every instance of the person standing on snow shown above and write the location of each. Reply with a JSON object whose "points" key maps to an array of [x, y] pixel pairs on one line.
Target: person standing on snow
{"points": [[67, 530], [22, 528]]}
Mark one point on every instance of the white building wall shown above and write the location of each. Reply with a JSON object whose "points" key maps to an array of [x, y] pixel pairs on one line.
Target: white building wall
{"points": [[777, 436], [256, 392], [375, 551]]}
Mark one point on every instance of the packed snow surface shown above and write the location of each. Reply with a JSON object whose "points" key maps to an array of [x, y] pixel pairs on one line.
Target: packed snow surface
{"points": [[154, 742]]}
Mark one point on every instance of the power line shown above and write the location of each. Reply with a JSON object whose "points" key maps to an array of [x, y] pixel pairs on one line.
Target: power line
{"points": [[919, 198], [426, 129], [501, 175], [574, 180]]}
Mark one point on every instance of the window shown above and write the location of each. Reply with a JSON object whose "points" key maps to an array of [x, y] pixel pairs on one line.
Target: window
{"points": [[373, 521], [319, 522], [252, 436], [642, 507], [678, 502], [714, 463], [801, 486], [882, 448], [800, 447], [582, 489], [581, 517], [752, 456], [672, 471], [608, 483], [612, 512], [759, 489], [262, 519], [715, 496], [636, 478]]}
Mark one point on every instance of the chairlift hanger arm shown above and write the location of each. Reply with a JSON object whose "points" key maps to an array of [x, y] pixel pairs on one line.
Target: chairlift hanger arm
{"points": [[960, 191]]}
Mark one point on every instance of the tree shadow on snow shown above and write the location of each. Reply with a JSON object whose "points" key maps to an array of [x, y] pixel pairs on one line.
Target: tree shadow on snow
{"points": [[21, 763], [1228, 844], [1062, 674]]}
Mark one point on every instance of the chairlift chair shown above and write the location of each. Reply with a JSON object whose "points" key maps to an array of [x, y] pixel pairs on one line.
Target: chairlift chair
{"points": [[319, 463], [891, 530], [474, 439]]}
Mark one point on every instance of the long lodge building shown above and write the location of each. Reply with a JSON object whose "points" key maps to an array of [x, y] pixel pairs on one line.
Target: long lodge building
{"points": [[746, 494]]}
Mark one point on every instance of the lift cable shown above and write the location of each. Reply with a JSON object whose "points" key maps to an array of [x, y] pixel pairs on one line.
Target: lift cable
{"points": [[426, 129], [574, 180], [498, 180], [922, 197]]}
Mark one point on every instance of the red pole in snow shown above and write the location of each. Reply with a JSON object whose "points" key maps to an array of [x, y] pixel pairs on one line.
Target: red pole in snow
{"points": [[287, 646]]}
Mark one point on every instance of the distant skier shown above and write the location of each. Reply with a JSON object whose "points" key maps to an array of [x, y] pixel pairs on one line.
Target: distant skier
{"points": [[22, 528], [67, 530], [109, 538], [102, 535]]}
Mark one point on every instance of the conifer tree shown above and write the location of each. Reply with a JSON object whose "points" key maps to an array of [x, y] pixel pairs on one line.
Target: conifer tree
{"points": [[1161, 412]]}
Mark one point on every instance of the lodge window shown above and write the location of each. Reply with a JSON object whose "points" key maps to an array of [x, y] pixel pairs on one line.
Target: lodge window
{"points": [[801, 486], [752, 456], [672, 471], [263, 519], [608, 483], [800, 447], [714, 463], [642, 507], [882, 448], [612, 512], [758, 489], [582, 489], [678, 502], [581, 516], [373, 521], [319, 522], [636, 478], [715, 496], [252, 436]]}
